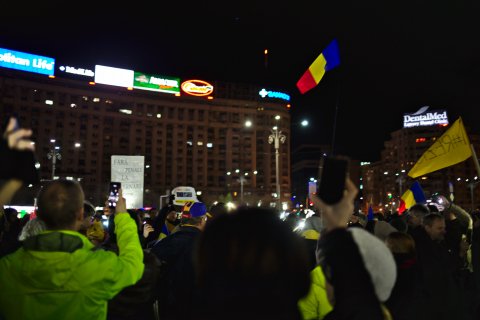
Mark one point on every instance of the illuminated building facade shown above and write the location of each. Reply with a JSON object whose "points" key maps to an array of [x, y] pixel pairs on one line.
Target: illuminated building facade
{"points": [[386, 180], [186, 140]]}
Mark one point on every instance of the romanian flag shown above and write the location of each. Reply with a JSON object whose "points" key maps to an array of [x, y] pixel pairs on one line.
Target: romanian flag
{"points": [[326, 61], [412, 196], [451, 148]]}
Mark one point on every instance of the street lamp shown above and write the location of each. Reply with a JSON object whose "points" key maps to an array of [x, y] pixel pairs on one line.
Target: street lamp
{"points": [[472, 185], [400, 180], [54, 154], [276, 137], [242, 179]]}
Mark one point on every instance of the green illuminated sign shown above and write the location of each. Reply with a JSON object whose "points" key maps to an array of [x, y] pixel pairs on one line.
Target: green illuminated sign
{"points": [[156, 83]]}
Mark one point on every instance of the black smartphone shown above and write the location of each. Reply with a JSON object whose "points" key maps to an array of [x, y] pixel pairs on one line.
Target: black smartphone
{"points": [[333, 173], [113, 194]]}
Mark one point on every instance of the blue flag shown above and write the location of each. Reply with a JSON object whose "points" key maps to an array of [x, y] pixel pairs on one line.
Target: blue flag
{"points": [[370, 215]]}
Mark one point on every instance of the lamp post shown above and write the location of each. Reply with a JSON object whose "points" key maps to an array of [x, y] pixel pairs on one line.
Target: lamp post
{"points": [[472, 185], [54, 154], [276, 137], [400, 179], [242, 179]]}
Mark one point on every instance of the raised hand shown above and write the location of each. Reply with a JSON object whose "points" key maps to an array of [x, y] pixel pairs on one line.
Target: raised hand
{"points": [[337, 215], [17, 138], [147, 228], [121, 203]]}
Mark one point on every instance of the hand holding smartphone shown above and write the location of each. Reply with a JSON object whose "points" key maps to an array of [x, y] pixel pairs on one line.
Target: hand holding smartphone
{"points": [[338, 214], [113, 194], [333, 174]]}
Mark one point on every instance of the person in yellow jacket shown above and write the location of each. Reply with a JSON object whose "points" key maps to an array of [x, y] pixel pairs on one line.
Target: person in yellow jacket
{"points": [[57, 274], [315, 304], [96, 232]]}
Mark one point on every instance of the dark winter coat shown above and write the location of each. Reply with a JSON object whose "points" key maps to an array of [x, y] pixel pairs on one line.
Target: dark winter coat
{"points": [[176, 293], [439, 296]]}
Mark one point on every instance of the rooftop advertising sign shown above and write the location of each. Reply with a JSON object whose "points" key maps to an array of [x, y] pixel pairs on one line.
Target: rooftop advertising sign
{"points": [[26, 62], [425, 118], [114, 76], [84, 72], [274, 94], [156, 83], [197, 88]]}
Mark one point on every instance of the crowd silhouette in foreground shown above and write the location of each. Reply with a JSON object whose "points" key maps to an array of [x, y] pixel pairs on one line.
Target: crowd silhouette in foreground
{"points": [[206, 262]]}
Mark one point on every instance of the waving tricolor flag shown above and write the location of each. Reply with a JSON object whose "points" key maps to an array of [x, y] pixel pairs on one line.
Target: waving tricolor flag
{"points": [[412, 196], [326, 61]]}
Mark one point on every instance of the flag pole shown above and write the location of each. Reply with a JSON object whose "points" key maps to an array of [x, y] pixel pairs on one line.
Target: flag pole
{"points": [[475, 159], [335, 116]]}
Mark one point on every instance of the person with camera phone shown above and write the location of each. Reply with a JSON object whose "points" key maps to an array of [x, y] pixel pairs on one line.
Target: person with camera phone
{"points": [[350, 257], [57, 274]]}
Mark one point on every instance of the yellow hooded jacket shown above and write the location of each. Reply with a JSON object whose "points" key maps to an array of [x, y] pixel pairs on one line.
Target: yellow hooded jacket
{"points": [[59, 275], [315, 304]]}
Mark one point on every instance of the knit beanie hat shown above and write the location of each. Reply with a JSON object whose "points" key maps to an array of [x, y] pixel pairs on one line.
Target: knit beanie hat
{"points": [[355, 259], [382, 229]]}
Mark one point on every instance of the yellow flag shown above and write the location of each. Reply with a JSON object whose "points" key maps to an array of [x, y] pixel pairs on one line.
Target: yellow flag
{"points": [[451, 148]]}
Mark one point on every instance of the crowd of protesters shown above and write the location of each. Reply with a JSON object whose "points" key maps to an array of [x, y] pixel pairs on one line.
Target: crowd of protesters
{"points": [[205, 262]]}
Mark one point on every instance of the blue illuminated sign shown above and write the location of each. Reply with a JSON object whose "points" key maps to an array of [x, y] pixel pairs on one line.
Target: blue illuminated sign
{"points": [[274, 94], [26, 62]]}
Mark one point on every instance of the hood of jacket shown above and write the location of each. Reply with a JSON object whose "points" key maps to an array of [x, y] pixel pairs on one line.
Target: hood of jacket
{"points": [[50, 259]]}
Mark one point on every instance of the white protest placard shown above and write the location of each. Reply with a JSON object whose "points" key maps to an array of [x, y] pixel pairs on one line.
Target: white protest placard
{"points": [[129, 171]]}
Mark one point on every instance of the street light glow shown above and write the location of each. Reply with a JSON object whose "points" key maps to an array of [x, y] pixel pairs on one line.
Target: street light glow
{"points": [[276, 138], [248, 123], [304, 123], [277, 117]]}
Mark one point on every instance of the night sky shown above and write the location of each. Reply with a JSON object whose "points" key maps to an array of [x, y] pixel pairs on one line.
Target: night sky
{"points": [[395, 58]]}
